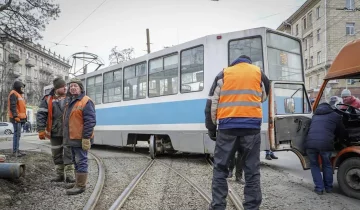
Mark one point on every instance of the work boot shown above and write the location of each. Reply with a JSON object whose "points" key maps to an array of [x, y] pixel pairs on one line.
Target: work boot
{"points": [[273, 156], [72, 185], [230, 174], [81, 179], [59, 177], [268, 157], [69, 173]]}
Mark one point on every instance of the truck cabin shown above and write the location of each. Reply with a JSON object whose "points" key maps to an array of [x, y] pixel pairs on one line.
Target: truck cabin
{"points": [[341, 89]]}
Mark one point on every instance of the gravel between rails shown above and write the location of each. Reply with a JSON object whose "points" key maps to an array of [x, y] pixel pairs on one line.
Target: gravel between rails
{"points": [[119, 173], [282, 192], [162, 188], [197, 170], [35, 191]]}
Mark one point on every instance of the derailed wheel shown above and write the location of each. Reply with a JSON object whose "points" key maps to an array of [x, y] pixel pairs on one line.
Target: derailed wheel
{"points": [[349, 177], [152, 147]]}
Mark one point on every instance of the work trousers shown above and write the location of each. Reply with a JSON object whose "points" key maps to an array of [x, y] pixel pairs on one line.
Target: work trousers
{"points": [[226, 146], [16, 136], [61, 154], [80, 159]]}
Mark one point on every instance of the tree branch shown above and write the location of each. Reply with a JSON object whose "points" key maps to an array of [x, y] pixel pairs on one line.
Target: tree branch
{"points": [[3, 7]]}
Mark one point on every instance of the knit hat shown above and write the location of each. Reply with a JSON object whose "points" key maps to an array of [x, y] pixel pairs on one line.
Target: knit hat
{"points": [[77, 81], [345, 92], [59, 83], [18, 85]]}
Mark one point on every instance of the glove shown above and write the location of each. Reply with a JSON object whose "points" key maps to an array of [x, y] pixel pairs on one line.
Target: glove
{"points": [[42, 135], [85, 143], [212, 135], [17, 119]]}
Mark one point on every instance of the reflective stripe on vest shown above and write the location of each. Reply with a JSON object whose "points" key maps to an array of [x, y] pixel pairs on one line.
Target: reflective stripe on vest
{"points": [[49, 100], [240, 95], [20, 105], [76, 120]]}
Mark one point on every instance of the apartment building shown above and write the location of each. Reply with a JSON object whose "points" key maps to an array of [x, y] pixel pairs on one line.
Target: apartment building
{"points": [[324, 26]]}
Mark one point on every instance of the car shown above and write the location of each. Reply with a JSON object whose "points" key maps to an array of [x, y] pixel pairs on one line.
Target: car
{"points": [[6, 128]]}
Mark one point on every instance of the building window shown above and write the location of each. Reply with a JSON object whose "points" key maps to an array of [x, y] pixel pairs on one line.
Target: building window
{"points": [[28, 55], [350, 4], [304, 23], [135, 82], [310, 83], [318, 34], [311, 61], [318, 81], [20, 53], [350, 28], [310, 19], [350, 81], [306, 63], [163, 76], [112, 86], [192, 69], [319, 57], [297, 29], [28, 71], [93, 88], [311, 41], [305, 44], [318, 12]]}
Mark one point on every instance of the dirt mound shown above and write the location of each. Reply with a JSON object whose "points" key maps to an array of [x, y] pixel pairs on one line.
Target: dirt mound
{"points": [[39, 169]]}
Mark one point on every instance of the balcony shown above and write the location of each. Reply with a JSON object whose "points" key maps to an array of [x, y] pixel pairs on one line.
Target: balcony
{"points": [[29, 63], [14, 73], [46, 70], [14, 58]]}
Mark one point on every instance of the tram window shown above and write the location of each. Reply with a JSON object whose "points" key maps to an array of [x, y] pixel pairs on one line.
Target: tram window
{"points": [[192, 69], [94, 88], [251, 47], [135, 81], [163, 76], [112, 86]]}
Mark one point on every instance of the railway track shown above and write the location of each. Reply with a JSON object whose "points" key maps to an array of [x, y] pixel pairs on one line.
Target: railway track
{"points": [[93, 200]]}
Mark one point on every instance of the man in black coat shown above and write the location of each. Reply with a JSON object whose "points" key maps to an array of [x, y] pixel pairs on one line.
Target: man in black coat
{"points": [[326, 125]]}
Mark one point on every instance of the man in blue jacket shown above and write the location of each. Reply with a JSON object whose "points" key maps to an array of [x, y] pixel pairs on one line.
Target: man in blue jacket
{"points": [[326, 125]]}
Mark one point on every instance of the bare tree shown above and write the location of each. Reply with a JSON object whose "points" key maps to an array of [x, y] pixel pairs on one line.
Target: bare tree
{"points": [[24, 19], [117, 56]]}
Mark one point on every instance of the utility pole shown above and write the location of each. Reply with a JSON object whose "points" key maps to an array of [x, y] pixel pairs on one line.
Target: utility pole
{"points": [[148, 40]]}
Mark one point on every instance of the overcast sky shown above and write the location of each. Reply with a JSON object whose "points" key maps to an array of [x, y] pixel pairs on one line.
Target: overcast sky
{"points": [[123, 23]]}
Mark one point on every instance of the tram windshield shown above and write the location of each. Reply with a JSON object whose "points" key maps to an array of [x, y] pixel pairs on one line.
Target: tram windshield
{"points": [[284, 58]]}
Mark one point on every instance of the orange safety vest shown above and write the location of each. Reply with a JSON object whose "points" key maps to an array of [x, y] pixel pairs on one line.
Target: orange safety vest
{"points": [[20, 105], [76, 120], [240, 95]]}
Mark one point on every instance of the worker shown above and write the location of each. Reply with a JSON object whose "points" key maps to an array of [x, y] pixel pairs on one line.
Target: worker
{"points": [[17, 114], [349, 99], [234, 106], [326, 126], [50, 125], [79, 123]]}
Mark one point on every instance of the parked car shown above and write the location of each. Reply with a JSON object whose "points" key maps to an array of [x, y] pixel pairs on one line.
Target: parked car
{"points": [[6, 128]]}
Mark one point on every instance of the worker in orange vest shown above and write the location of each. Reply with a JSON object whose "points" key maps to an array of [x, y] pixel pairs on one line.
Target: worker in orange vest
{"points": [[234, 108], [17, 114], [50, 125], [79, 123]]}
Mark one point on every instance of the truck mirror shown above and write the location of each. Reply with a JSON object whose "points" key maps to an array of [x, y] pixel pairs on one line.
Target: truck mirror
{"points": [[289, 105]]}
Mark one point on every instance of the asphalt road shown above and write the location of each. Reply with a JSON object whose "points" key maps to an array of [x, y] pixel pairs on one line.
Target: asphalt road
{"points": [[289, 163]]}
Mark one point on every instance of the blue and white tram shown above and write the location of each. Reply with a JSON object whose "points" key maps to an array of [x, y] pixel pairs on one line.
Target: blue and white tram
{"points": [[161, 96]]}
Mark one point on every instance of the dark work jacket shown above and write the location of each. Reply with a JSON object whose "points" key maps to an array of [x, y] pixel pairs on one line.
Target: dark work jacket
{"points": [[58, 106], [326, 125]]}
